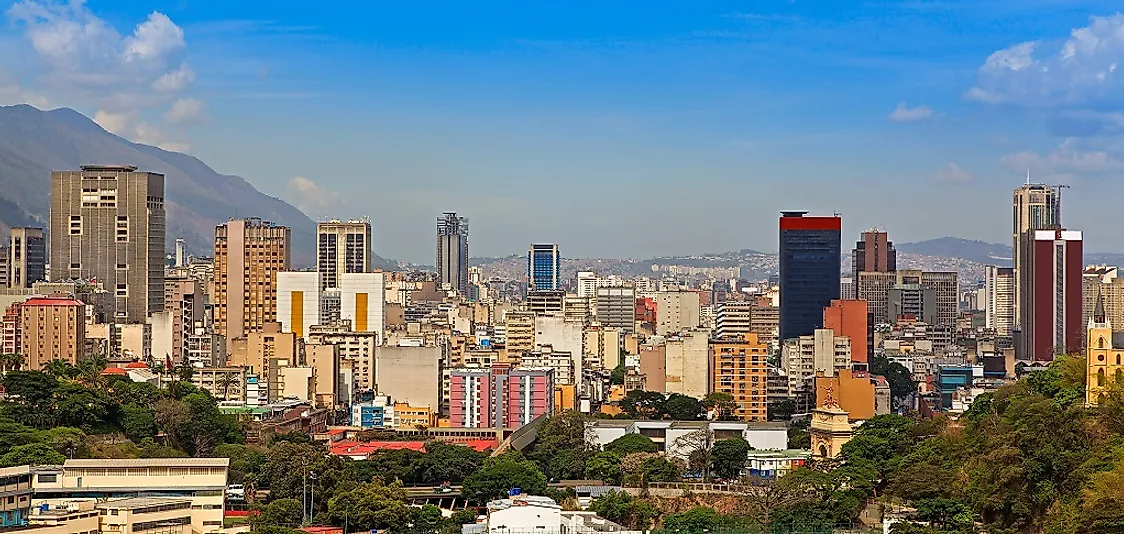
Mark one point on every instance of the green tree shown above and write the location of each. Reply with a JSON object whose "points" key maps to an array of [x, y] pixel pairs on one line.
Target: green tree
{"points": [[616, 377], [604, 466], [782, 410], [660, 469], [244, 459], [798, 435], [619, 507], [372, 506], [282, 513], [563, 446], [722, 403], [61, 369], [30, 388], [729, 457], [31, 454], [696, 520], [639, 404], [444, 462], [630, 443], [900, 379], [944, 512], [499, 475], [683, 408], [80, 406], [138, 422]]}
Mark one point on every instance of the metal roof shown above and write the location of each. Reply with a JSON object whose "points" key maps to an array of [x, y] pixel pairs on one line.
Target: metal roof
{"points": [[150, 462]]}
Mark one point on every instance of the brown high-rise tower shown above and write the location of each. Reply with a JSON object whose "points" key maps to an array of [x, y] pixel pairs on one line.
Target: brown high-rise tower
{"points": [[248, 255], [107, 224], [874, 254]]}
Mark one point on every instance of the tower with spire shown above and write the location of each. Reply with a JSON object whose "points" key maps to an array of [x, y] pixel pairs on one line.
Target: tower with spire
{"points": [[1104, 362]]}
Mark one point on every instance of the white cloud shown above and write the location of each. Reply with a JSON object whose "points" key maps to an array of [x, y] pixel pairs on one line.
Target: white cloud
{"points": [[11, 94], [952, 173], [1070, 158], [309, 197], [86, 62], [184, 111], [904, 113], [1084, 71]]}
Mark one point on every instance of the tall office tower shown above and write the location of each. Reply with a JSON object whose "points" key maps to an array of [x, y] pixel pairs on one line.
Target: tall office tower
{"points": [[999, 299], [809, 258], [248, 255], [452, 251], [1036, 207], [543, 267], [342, 247], [1053, 324], [27, 257], [107, 223], [874, 253]]}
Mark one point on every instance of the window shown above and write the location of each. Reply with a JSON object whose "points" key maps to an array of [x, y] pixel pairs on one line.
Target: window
{"points": [[122, 290], [75, 225], [122, 228], [48, 478]]}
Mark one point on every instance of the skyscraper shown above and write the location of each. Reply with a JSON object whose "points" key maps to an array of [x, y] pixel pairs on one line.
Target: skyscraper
{"points": [[342, 247], [452, 251], [248, 255], [107, 223], [809, 265], [1035, 208], [874, 253], [1053, 319], [543, 267], [27, 257], [999, 299]]}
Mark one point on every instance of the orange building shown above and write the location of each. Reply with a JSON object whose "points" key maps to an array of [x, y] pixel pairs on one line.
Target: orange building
{"points": [[849, 318], [740, 367], [51, 329], [854, 394]]}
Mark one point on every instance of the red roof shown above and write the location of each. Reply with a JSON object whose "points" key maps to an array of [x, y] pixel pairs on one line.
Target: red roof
{"points": [[136, 365], [117, 371], [52, 302]]}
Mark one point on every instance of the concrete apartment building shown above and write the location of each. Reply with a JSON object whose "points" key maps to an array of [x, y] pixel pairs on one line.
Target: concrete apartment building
{"points": [[342, 247], [616, 308], [108, 224], [186, 304], [822, 353], [409, 374], [358, 298], [4, 259], [931, 297], [686, 361], [223, 383], [874, 252], [26, 257], [519, 328], [51, 329], [850, 319], [999, 300], [499, 396], [356, 349], [740, 368], [264, 353], [734, 318], [248, 255], [676, 311]]}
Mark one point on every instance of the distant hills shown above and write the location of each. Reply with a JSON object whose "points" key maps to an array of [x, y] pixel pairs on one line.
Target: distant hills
{"points": [[955, 247], [34, 142]]}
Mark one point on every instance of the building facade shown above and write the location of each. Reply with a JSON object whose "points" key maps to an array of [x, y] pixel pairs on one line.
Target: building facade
{"points": [[27, 257], [616, 308], [874, 253], [999, 299], [248, 255], [108, 224], [850, 318], [51, 329], [544, 268], [452, 252], [1035, 207], [342, 247], [809, 270], [1052, 324], [740, 368]]}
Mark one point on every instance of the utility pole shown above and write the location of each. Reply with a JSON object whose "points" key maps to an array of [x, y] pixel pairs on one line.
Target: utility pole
{"points": [[312, 500]]}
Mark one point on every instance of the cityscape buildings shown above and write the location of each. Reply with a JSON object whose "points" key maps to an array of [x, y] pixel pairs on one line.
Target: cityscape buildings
{"points": [[544, 267], [999, 299], [248, 255], [809, 270], [108, 224], [452, 252], [26, 257]]}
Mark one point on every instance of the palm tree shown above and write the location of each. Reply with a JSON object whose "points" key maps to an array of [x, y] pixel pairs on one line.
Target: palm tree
{"points": [[10, 362], [224, 382], [61, 369], [90, 372]]}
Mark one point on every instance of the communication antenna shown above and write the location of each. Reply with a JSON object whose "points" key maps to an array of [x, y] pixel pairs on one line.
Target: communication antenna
{"points": [[1058, 207]]}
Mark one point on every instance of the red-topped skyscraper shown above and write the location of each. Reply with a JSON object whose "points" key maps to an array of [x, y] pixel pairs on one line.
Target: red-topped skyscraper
{"points": [[809, 270]]}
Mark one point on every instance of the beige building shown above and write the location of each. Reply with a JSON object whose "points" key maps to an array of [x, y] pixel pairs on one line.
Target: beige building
{"points": [[51, 329], [822, 353], [141, 515], [342, 247], [27, 257], [602, 346], [185, 301], [223, 383], [78, 517], [325, 363], [107, 223], [356, 349], [686, 364], [264, 353], [248, 255], [740, 367], [200, 481], [520, 328], [409, 374], [676, 311]]}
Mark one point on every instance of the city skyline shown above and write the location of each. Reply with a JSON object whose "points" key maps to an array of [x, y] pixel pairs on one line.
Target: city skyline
{"points": [[721, 105]]}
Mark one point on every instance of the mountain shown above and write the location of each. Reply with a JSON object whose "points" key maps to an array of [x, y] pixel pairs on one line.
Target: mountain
{"points": [[965, 249], [34, 142]]}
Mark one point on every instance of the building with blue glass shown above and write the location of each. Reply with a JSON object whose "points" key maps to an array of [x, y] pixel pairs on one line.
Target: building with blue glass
{"points": [[544, 267], [809, 270]]}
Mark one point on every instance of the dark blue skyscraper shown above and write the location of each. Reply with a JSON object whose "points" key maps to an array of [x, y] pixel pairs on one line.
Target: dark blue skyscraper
{"points": [[809, 254], [543, 267]]}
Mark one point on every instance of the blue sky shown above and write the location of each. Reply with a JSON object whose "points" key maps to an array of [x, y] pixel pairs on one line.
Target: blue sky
{"points": [[620, 129]]}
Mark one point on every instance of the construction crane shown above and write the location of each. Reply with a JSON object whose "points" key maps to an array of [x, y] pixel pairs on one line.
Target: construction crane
{"points": [[1058, 208]]}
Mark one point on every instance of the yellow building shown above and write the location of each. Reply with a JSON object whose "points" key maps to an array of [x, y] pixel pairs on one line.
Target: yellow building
{"points": [[407, 416], [565, 398], [1104, 362], [739, 366], [853, 394], [830, 430]]}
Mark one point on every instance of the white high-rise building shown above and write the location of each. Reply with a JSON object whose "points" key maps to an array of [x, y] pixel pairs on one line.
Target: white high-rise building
{"points": [[342, 247], [999, 299], [360, 299]]}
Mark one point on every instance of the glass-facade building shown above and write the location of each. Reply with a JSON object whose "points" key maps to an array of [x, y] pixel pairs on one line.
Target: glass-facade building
{"points": [[809, 270], [544, 266]]}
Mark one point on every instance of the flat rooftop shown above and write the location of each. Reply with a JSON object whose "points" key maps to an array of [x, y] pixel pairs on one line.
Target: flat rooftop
{"points": [[134, 503], [149, 462]]}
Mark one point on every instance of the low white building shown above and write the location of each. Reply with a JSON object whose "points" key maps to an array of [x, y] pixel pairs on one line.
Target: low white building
{"points": [[679, 438], [533, 513]]}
